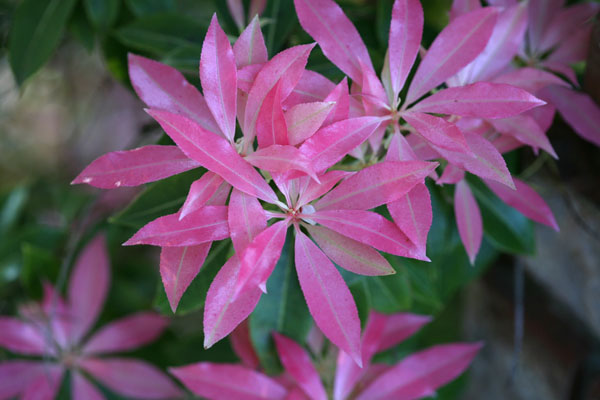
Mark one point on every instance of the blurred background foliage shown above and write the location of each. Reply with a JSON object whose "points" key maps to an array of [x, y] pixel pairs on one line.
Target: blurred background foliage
{"points": [[54, 122]]}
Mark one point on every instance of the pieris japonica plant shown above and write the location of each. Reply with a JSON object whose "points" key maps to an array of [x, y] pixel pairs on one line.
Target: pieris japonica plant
{"points": [[340, 169]]}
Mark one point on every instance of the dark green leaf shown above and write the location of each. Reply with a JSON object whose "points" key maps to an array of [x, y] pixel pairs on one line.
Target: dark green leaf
{"points": [[186, 59], [282, 310], [360, 293], [144, 7], [102, 13], [281, 20], [12, 206], [38, 264], [81, 29], [36, 31], [390, 293]]}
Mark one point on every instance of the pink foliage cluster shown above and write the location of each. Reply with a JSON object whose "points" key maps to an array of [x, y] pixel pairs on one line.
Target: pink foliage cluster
{"points": [[56, 333]]}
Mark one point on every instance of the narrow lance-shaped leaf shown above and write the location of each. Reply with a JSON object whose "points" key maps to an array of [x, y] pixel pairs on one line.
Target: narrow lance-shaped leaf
{"points": [[525, 129], [135, 167], [82, 388], [278, 158], [246, 219], [312, 86], [456, 46], [21, 337], [309, 189], [341, 97], [438, 131], [303, 120], [271, 126], [468, 219], [327, 296], [250, 47], [200, 192], [241, 345]]}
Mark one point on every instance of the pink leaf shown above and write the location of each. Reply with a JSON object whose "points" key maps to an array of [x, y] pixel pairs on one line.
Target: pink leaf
{"points": [[131, 378], [438, 131], [250, 47], [271, 126], [578, 109], [286, 67], [46, 384], [242, 345], [310, 189], [126, 334], [218, 75], [135, 167], [325, 21], [418, 375], [468, 219], [246, 76], [88, 287], [378, 184], [222, 313], [540, 15], [526, 201], [21, 337], [256, 7], [327, 296], [451, 175], [303, 120], [178, 268], [236, 9], [341, 97], [400, 149], [277, 158], [260, 257], [349, 253], [461, 7], [526, 130], [298, 364], [205, 225], [16, 376], [162, 87], [332, 143], [215, 154], [228, 381], [406, 30], [565, 23], [456, 46], [200, 192], [530, 79], [412, 213], [369, 228], [398, 327], [83, 389], [482, 100], [246, 219], [311, 87], [573, 49]]}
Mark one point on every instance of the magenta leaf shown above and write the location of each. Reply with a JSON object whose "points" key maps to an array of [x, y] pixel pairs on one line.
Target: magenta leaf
{"points": [[228, 381], [526, 130], [271, 126], [438, 131], [303, 120], [205, 225], [456, 46], [349, 253], [242, 346], [328, 298], [460, 7], [341, 97], [16, 376], [218, 75], [468, 219], [325, 21], [311, 87], [201, 191], [399, 327], [135, 167], [310, 189], [250, 47], [530, 79], [298, 364], [46, 384], [21, 337], [419, 374], [278, 158], [214, 153], [178, 268], [83, 389], [246, 219]]}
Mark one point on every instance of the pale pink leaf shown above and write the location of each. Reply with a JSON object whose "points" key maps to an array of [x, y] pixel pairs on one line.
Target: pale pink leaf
{"points": [[126, 334], [541, 13], [481, 100], [44, 386], [451, 175], [278, 158], [218, 75], [325, 21], [369, 228], [420, 374], [412, 213], [21, 337], [572, 50], [526, 130], [236, 9], [310, 189], [135, 167], [16, 376], [460, 7], [341, 97], [311, 87], [406, 29], [222, 313], [468, 219], [246, 219], [378, 184], [530, 79], [162, 87], [400, 149], [303, 120], [398, 327], [215, 154], [438, 131], [578, 109], [88, 287], [271, 125], [200, 192], [455, 47], [246, 76], [298, 364], [242, 345], [330, 144], [207, 224], [373, 95], [286, 68], [228, 381], [250, 47], [131, 378], [526, 201], [328, 298], [83, 389], [178, 268], [349, 253]]}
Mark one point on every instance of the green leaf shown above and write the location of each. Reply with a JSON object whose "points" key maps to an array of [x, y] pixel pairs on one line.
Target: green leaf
{"points": [[281, 20], [161, 33], [102, 13], [160, 198], [38, 264], [81, 29], [282, 310], [195, 295], [12, 207], [36, 31], [186, 59], [390, 293], [505, 227], [144, 7], [362, 298]]}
